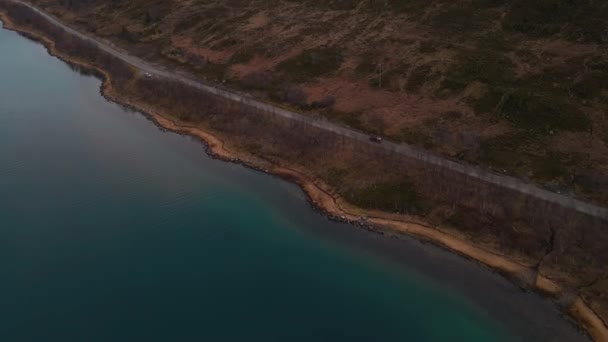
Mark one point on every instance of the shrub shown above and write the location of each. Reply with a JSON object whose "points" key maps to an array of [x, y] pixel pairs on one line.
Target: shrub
{"points": [[326, 102], [550, 167], [242, 56], [590, 85], [293, 94], [538, 18], [479, 65], [258, 80], [366, 67], [418, 77], [487, 103], [543, 112], [396, 197], [577, 20], [311, 63]]}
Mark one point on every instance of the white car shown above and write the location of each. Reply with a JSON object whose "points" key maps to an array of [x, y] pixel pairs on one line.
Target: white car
{"points": [[148, 75]]}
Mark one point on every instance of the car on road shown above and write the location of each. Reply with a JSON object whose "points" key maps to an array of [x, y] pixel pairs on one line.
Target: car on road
{"points": [[148, 75], [375, 139]]}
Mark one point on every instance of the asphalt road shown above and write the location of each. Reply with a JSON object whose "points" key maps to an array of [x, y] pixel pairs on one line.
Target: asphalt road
{"points": [[403, 149]]}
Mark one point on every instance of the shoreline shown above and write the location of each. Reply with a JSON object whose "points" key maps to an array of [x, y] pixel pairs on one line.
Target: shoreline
{"points": [[321, 197]]}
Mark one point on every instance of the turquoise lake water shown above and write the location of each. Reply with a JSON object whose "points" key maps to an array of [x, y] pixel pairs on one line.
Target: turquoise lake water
{"points": [[112, 229]]}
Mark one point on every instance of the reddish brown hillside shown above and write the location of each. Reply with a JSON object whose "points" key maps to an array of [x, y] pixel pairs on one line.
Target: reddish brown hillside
{"points": [[519, 86]]}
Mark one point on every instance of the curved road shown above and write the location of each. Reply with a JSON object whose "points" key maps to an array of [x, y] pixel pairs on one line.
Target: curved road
{"points": [[403, 149]]}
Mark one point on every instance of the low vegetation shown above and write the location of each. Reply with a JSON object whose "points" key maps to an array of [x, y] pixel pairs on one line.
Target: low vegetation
{"points": [[534, 67], [392, 197], [311, 64]]}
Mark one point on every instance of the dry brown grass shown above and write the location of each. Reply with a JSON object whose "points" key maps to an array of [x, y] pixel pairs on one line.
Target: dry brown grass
{"points": [[415, 48]]}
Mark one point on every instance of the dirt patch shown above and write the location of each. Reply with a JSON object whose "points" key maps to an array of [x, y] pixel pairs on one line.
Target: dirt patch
{"points": [[257, 21]]}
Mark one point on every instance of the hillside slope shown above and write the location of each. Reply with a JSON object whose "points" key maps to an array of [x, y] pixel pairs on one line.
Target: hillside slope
{"points": [[518, 86]]}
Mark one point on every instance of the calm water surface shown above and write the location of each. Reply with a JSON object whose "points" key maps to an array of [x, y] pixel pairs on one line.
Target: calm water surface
{"points": [[114, 230]]}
